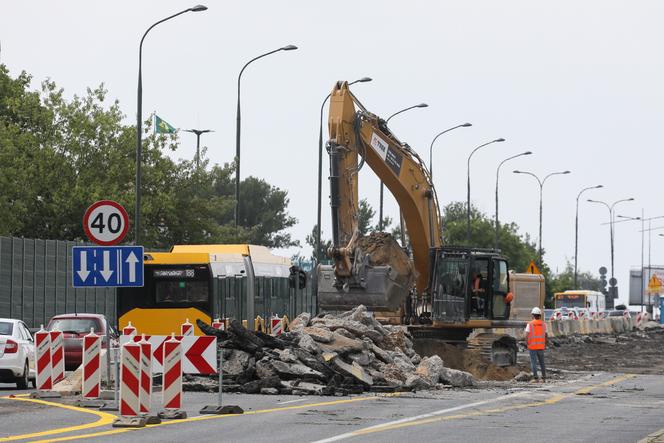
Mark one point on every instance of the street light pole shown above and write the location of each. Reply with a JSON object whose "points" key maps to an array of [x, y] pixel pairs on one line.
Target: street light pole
{"points": [[541, 186], [611, 222], [496, 241], [317, 254], [198, 133], [380, 205], [576, 233], [465, 125], [139, 120], [238, 128], [498, 140]]}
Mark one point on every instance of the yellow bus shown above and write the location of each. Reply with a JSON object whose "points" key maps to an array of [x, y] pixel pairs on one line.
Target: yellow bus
{"points": [[184, 284], [577, 298]]}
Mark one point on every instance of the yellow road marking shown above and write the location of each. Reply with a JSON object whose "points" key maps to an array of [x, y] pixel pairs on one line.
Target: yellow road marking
{"points": [[165, 423], [104, 419], [549, 401]]}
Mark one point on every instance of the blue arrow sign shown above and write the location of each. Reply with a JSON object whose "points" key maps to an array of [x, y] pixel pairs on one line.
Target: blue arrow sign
{"points": [[107, 266]]}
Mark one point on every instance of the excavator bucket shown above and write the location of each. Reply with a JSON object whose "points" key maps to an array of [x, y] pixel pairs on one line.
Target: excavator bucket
{"points": [[378, 288]]}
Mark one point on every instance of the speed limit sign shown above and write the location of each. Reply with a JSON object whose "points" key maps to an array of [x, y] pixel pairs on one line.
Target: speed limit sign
{"points": [[106, 223]]}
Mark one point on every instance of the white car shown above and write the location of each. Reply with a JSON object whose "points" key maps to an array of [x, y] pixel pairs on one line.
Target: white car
{"points": [[17, 353]]}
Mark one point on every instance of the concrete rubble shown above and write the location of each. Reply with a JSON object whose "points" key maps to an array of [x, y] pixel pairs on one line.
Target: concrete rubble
{"points": [[326, 355]]}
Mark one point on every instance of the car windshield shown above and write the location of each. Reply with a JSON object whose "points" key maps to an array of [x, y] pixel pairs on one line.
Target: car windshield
{"points": [[616, 314], [78, 325], [6, 328]]}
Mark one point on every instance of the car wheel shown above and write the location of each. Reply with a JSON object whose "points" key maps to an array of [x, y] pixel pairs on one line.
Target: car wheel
{"points": [[22, 383]]}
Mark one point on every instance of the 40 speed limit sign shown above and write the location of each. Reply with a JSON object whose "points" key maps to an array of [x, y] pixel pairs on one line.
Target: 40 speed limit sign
{"points": [[106, 223]]}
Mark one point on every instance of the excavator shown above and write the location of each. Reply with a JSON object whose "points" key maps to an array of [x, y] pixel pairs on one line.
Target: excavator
{"points": [[444, 293]]}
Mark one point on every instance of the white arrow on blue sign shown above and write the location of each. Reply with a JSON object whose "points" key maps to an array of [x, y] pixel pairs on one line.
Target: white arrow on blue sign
{"points": [[107, 266]]}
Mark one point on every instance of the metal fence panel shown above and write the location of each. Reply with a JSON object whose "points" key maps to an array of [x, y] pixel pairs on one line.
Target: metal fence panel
{"points": [[35, 283]]}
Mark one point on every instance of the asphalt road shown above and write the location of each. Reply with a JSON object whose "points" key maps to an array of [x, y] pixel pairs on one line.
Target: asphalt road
{"points": [[600, 407]]}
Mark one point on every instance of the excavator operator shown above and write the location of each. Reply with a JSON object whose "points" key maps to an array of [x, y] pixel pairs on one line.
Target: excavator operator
{"points": [[479, 290]]}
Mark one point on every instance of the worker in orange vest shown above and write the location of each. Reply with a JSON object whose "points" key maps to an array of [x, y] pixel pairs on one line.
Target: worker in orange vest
{"points": [[536, 338]]}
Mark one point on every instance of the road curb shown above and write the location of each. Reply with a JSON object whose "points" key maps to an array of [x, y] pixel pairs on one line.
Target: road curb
{"points": [[655, 437]]}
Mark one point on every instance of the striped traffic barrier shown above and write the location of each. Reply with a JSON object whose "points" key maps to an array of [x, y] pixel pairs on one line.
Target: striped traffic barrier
{"points": [[91, 365], [130, 373], [219, 323], [145, 397], [129, 329], [57, 356], [186, 328], [276, 325], [43, 360], [172, 380]]}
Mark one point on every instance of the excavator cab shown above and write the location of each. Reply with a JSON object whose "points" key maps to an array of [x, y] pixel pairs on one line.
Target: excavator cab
{"points": [[468, 284]]}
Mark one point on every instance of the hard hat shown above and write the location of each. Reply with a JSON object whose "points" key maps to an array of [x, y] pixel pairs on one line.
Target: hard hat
{"points": [[536, 311]]}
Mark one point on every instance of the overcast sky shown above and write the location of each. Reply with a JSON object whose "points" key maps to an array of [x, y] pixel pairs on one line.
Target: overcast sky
{"points": [[578, 83]]}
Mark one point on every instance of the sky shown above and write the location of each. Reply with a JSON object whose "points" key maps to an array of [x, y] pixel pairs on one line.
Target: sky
{"points": [[577, 83]]}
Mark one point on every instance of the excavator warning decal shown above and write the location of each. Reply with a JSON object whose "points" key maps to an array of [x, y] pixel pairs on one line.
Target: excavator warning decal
{"points": [[394, 160], [379, 145], [389, 155]]}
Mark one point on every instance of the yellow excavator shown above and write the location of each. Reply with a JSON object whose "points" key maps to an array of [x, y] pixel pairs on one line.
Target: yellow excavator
{"points": [[449, 293]]}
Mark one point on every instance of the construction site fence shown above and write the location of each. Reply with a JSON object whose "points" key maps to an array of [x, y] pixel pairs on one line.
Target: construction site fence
{"points": [[36, 282], [272, 296]]}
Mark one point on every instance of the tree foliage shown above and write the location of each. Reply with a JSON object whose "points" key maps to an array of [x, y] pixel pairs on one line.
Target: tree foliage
{"points": [[58, 155]]}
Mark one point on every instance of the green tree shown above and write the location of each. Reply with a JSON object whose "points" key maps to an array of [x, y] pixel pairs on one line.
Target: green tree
{"points": [[365, 217], [564, 280], [324, 245], [58, 155]]}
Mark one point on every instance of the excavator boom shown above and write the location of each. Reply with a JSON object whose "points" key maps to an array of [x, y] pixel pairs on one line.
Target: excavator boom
{"points": [[359, 138]]}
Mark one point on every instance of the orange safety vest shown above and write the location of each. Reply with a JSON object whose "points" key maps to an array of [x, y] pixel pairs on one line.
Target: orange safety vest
{"points": [[536, 336]]}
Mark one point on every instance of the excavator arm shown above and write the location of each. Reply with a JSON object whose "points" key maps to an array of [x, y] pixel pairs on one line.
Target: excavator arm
{"points": [[358, 137]]}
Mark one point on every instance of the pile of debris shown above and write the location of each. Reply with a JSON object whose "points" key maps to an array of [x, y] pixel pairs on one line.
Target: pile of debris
{"points": [[326, 355]]}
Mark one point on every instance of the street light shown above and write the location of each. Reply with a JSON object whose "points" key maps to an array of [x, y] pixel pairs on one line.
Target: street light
{"points": [[611, 222], [380, 206], [139, 120], [541, 185], [465, 125], [496, 242], [320, 166], [576, 233], [498, 140], [198, 133], [238, 127]]}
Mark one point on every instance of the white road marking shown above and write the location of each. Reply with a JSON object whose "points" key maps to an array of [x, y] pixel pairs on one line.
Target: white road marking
{"points": [[423, 416], [291, 401]]}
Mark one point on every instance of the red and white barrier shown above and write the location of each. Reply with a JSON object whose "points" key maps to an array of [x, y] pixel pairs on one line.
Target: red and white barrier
{"points": [[91, 365], [276, 326], [186, 329], [145, 397], [130, 373], [57, 356], [199, 354], [219, 323], [129, 330], [43, 360], [172, 381]]}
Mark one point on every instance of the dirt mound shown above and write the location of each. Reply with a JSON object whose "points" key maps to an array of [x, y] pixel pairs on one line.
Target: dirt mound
{"points": [[383, 250], [468, 360]]}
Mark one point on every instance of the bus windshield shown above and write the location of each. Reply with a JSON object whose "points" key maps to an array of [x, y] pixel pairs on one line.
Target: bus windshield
{"points": [[570, 301]]}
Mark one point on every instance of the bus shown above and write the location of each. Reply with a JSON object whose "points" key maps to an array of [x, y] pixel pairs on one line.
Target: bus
{"points": [[592, 300], [184, 284]]}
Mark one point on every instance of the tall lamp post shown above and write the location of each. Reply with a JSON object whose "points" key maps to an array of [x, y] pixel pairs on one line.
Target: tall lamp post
{"points": [[198, 133], [320, 167], [238, 128], [496, 242], [498, 140], [139, 120], [541, 186], [465, 125], [380, 206], [576, 233], [611, 207]]}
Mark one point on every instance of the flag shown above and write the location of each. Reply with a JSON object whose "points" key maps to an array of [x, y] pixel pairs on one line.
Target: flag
{"points": [[162, 127]]}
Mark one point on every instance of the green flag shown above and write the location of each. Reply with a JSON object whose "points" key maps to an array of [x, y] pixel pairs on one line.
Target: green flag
{"points": [[162, 127]]}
